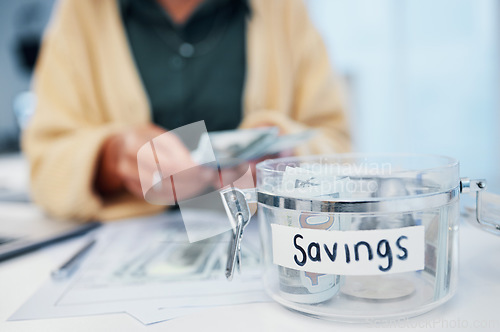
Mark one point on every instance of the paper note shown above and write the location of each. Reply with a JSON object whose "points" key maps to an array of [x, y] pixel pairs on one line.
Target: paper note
{"points": [[147, 268], [369, 252]]}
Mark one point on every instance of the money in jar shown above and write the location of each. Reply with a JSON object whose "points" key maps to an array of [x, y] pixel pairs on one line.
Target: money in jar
{"points": [[302, 286]]}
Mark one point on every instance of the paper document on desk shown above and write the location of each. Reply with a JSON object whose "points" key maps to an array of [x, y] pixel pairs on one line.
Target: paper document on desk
{"points": [[148, 269]]}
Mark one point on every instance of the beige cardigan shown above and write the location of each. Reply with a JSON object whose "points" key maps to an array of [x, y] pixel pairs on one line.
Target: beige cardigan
{"points": [[88, 87]]}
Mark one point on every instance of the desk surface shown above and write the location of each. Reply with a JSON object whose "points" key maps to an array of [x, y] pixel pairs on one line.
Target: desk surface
{"points": [[474, 307]]}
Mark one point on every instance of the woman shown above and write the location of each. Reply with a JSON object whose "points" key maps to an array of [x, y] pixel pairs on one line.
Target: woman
{"points": [[113, 74]]}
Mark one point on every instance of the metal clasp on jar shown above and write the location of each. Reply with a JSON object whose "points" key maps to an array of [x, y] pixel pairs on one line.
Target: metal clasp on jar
{"points": [[487, 204]]}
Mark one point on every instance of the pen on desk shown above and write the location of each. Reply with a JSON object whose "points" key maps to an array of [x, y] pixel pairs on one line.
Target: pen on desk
{"points": [[67, 269]]}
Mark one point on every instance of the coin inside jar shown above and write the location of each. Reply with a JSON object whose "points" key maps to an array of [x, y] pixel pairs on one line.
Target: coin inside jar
{"points": [[377, 288]]}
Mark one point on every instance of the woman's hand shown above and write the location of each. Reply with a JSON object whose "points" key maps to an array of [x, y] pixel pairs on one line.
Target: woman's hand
{"points": [[119, 169]]}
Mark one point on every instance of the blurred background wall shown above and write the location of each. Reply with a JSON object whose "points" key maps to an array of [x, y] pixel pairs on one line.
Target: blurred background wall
{"points": [[21, 26], [423, 74]]}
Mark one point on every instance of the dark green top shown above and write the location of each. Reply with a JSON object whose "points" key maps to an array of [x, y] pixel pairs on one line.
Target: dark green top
{"points": [[194, 71]]}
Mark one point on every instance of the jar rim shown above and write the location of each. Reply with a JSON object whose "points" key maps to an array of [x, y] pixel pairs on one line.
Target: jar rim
{"points": [[269, 165]]}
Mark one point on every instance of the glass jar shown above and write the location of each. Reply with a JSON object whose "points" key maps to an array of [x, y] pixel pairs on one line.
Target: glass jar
{"points": [[339, 233]]}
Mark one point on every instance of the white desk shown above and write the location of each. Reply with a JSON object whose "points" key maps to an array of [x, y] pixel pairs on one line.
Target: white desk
{"points": [[476, 306]]}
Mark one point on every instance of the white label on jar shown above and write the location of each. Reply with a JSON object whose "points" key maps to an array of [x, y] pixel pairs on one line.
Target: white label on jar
{"points": [[369, 252]]}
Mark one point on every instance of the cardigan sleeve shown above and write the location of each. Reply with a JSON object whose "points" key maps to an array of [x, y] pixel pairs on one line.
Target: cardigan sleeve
{"points": [[318, 94], [64, 137]]}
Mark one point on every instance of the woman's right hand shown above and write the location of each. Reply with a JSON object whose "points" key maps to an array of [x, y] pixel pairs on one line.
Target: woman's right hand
{"points": [[119, 169]]}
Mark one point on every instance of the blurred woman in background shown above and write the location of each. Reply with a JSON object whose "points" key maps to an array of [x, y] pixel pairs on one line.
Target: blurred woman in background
{"points": [[114, 74]]}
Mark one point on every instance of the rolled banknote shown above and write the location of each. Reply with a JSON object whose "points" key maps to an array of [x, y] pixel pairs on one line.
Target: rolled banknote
{"points": [[297, 182]]}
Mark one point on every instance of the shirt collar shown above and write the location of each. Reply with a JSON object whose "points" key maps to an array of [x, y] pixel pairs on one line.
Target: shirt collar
{"points": [[126, 5]]}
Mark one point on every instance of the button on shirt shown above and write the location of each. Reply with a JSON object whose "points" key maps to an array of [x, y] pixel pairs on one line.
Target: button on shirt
{"points": [[192, 71]]}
